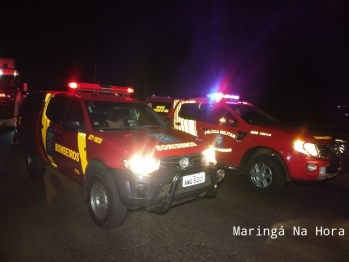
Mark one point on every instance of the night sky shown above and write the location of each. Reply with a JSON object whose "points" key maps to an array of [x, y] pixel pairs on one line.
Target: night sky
{"points": [[288, 57]]}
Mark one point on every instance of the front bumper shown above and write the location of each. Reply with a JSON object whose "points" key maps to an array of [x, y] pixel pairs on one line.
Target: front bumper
{"points": [[308, 169], [162, 189]]}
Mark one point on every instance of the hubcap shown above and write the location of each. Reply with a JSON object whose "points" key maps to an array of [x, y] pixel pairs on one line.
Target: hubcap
{"points": [[99, 200], [261, 175]]}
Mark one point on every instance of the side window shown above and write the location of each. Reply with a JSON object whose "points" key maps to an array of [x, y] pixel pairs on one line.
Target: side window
{"points": [[189, 111], [74, 111], [219, 115], [56, 108]]}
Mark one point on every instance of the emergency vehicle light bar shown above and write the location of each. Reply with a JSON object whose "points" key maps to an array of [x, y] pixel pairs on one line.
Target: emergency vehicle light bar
{"points": [[220, 96], [97, 87], [8, 71]]}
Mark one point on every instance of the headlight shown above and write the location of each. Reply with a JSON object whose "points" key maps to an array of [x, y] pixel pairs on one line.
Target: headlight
{"points": [[209, 158], [141, 165], [305, 148]]}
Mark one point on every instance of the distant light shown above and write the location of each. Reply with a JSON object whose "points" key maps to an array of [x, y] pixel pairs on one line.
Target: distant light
{"points": [[0, 72]]}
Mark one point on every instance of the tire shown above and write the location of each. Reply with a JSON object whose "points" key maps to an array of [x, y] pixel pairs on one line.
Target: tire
{"points": [[265, 174], [211, 193], [35, 165], [104, 205]]}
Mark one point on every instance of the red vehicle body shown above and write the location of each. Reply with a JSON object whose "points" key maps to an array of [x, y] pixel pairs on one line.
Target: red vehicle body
{"points": [[121, 151], [251, 141]]}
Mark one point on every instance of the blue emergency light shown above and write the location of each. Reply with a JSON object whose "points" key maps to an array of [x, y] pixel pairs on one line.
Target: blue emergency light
{"points": [[220, 96]]}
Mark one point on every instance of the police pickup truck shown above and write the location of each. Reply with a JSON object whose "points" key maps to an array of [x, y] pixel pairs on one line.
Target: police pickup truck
{"points": [[122, 152], [257, 145]]}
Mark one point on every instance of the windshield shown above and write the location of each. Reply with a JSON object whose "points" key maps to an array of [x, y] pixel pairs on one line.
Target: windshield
{"points": [[108, 115], [9, 83], [253, 115]]}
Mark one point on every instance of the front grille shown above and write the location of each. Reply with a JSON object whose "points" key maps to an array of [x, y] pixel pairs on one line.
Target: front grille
{"points": [[165, 189], [325, 150], [172, 162]]}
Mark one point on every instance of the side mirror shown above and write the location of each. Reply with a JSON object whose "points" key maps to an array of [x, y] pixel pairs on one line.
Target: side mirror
{"points": [[72, 125]]}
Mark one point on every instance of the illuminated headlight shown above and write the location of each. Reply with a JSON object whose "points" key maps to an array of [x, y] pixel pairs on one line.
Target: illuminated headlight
{"points": [[305, 148], [209, 158], [141, 165]]}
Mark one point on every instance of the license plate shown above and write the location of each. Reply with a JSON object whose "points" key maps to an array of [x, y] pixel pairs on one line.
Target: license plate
{"points": [[194, 179]]}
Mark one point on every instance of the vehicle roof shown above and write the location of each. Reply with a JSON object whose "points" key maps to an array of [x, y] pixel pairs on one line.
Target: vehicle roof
{"points": [[89, 96], [162, 98], [224, 101]]}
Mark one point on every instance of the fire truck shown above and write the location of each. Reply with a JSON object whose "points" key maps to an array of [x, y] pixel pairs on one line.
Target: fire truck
{"points": [[11, 92], [122, 152]]}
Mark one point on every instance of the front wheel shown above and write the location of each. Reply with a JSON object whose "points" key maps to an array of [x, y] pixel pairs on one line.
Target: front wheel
{"points": [[104, 204], [35, 165], [265, 174]]}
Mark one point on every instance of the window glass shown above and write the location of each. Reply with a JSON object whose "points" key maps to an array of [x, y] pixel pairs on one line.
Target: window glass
{"points": [[120, 115], [253, 115], [191, 111], [74, 110], [218, 115], [56, 108]]}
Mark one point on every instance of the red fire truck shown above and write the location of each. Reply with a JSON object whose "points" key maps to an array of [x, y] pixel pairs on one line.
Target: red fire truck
{"points": [[11, 92], [121, 151]]}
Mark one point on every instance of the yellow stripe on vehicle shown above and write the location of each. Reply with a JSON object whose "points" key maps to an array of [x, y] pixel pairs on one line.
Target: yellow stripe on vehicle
{"points": [[45, 124], [82, 151]]}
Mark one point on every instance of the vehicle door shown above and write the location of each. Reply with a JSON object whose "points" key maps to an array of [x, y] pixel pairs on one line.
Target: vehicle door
{"points": [[73, 139], [192, 118], [227, 145], [52, 129], [221, 125]]}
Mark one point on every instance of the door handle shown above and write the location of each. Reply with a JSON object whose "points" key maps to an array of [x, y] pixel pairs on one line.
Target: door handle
{"points": [[203, 128]]}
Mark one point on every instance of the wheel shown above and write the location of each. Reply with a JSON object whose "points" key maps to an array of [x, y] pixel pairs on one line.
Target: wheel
{"points": [[265, 174], [35, 165], [104, 205]]}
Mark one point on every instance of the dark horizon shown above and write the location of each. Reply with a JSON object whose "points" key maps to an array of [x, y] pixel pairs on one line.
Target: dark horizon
{"points": [[276, 55]]}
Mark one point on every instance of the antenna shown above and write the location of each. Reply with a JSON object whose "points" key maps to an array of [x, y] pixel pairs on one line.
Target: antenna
{"points": [[94, 77]]}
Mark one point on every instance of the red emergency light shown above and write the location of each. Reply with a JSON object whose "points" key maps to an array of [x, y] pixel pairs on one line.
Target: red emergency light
{"points": [[89, 87], [8, 71]]}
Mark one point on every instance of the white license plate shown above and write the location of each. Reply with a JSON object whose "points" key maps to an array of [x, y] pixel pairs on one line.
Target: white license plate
{"points": [[194, 179]]}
